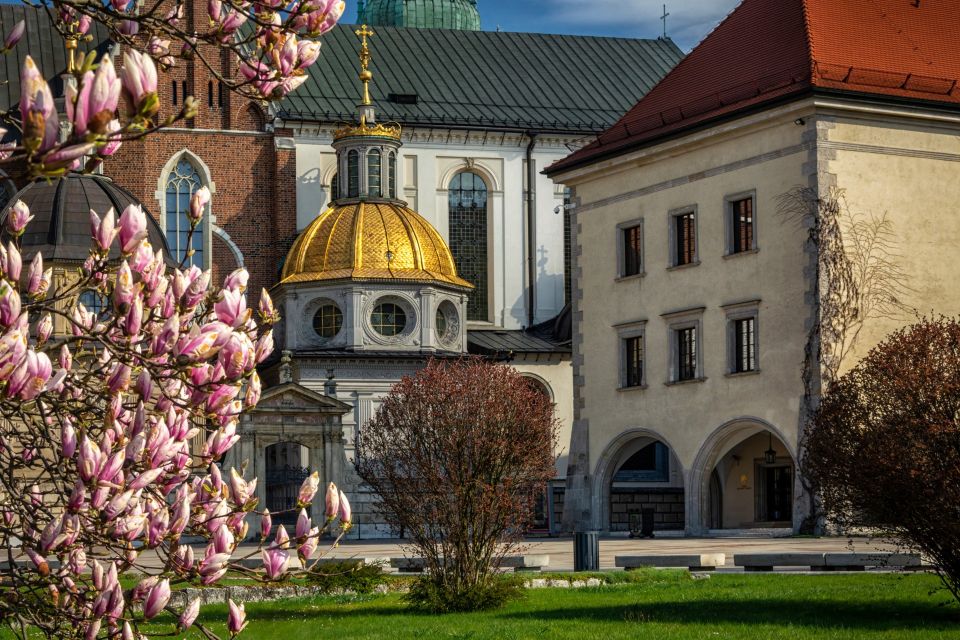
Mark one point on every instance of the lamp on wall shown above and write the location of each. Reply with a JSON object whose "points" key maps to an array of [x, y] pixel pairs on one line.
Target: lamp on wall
{"points": [[770, 455]]}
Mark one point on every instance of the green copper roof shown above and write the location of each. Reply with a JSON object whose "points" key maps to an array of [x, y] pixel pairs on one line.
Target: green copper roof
{"points": [[482, 79], [421, 14]]}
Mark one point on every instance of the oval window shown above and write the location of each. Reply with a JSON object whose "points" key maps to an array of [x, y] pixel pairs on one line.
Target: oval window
{"points": [[328, 320], [388, 319]]}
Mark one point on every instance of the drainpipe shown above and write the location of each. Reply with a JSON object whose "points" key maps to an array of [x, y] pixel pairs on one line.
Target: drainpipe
{"points": [[531, 226]]}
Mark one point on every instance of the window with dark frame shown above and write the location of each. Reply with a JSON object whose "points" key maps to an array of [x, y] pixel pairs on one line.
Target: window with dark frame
{"points": [[210, 94], [745, 345], [741, 212], [632, 258], [220, 94], [174, 87], [685, 235], [686, 353], [633, 361]]}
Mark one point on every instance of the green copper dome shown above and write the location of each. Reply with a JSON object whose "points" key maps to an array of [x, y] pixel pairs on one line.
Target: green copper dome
{"points": [[420, 14]]}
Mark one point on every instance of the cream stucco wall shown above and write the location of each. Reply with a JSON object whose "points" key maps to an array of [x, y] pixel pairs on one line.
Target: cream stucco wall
{"points": [[897, 161], [700, 421], [903, 165]]}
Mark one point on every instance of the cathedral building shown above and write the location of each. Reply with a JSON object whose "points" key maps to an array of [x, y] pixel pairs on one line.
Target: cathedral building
{"points": [[463, 244]]}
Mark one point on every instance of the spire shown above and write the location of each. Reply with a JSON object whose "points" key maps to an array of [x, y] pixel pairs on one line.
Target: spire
{"points": [[365, 74]]}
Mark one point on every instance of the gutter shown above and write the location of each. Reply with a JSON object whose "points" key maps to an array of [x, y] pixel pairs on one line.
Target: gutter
{"points": [[531, 227]]}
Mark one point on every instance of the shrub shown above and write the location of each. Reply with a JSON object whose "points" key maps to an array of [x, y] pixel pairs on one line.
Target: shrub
{"points": [[457, 454], [430, 595], [884, 446]]}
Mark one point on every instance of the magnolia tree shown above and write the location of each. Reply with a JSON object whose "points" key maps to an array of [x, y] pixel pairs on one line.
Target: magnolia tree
{"points": [[272, 42], [99, 479]]}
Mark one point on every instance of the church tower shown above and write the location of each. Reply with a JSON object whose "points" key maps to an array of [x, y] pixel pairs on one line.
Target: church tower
{"points": [[369, 273], [420, 14]]}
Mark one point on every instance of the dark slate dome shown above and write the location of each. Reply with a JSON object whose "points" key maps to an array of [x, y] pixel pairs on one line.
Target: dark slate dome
{"points": [[60, 229], [420, 14]]}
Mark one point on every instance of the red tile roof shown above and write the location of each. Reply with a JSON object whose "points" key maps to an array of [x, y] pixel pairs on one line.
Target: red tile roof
{"points": [[769, 51]]}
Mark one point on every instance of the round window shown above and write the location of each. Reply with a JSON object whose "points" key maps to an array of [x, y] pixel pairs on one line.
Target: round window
{"points": [[328, 320], [388, 319]]}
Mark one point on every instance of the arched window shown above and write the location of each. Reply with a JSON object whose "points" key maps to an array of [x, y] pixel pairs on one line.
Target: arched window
{"points": [[392, 175], [374, 180], [468, 238], [353, 174], [182, 182], [335, 187]]}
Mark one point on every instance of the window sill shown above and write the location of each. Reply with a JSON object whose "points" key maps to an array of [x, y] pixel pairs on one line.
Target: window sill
{"points": [[678, 267], [635, 276], [639, 387], [741, 374], [675, 383], [748, 252]]}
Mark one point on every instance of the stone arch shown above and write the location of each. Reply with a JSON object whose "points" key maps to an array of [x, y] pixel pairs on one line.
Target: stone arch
{"points": [[714, 448], [222, 234], [616, 452], [541, 383], [478, 167]]}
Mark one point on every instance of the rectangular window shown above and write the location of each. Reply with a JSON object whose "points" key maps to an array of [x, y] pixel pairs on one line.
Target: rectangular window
{"points": [[210, 94], [633, 361], [685, 236], [632, 248], [174, 86], [220, 94], [686, 353], [745, 345], [183, 89], [741, 225]]}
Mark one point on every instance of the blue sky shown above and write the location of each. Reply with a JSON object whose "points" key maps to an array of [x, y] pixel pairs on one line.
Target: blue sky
{"points": [[688, 23]]}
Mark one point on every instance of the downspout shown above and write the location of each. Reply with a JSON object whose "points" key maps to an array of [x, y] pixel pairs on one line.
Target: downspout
{"points": [[531, 226]]}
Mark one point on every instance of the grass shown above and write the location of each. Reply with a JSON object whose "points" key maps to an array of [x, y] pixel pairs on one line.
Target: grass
{"points": [[654, 604], [643, 604]]}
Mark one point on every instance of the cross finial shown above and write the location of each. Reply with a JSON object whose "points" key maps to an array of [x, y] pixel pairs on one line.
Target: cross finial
{"points": [[365, 75], [664, 19]]}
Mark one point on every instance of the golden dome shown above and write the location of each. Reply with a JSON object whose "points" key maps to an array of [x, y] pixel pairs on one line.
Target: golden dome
{"points": [[371, 241]]}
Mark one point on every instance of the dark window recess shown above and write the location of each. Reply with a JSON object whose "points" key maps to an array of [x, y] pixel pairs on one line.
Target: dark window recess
{"points": [[742, 212], [650, 464], [183, 89], [174, 87], [686, 353], [402, 98], [633, 360], [685, 234], [210, 94], [220, 94], [335, 187], [632, 259], [468, 238], [745, 342], [353, 174]]}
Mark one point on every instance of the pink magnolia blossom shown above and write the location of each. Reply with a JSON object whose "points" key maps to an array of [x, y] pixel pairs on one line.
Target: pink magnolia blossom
{"points": [[19, 216], [346, 513], [237, 618], [139, 79], [275, 562], [189, 614], [41, 125], [103, 230], [157, 599], [198, 204], [133, 228], [266, 523], [14, 35], [308, 489], [332, 502]]}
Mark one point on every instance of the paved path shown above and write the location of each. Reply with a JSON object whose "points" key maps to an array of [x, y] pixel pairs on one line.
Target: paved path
{"points": [[560, 550]]}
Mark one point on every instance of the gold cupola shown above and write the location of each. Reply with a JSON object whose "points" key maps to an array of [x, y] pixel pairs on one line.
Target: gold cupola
{"points": [[367, 233]]}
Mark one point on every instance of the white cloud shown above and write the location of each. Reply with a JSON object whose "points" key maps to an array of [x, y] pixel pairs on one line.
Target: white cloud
{"points": [[688, 21]]}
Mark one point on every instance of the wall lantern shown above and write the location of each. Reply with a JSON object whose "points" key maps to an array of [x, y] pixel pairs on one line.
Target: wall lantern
{"points": [[770, 455]]}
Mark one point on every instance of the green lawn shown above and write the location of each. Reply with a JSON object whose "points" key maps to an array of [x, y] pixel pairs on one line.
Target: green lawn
{"points": [[663, 605]]}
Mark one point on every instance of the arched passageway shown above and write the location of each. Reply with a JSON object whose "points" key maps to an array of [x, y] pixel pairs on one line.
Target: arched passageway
{"points": [[286, 469]]}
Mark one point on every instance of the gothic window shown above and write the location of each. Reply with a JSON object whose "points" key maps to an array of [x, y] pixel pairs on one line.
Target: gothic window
{"points": [[373, 173], [182, 182], [353, 174], [392, 175], [468, 238]]}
